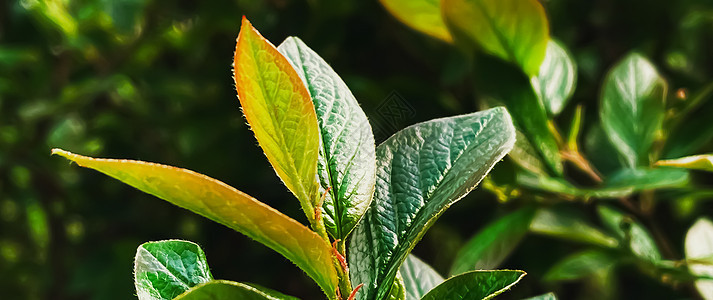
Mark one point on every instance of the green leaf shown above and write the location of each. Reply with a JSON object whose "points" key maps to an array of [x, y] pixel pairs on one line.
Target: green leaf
{"points": [[224, 289], [548, 296], [398, 291], [224, 204], [421, 171], [555, 82], [419, 277], [580, 265], [699, 248], [280, 112], [526, 156], [514, 30], [166, 269], [422, 15], [346, 157], [475, 285], [633, 233], [632, 108], [569, 225], [492, 245], [695, 162]]}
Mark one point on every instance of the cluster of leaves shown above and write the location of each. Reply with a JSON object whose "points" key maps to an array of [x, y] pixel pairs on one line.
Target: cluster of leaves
{"points": [[320, 144], [639, 123]]}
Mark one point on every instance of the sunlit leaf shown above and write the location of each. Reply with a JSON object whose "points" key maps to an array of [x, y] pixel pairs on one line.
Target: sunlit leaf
{"points": [[346, 165], [639, 240], [555, 82], [696, 162], [219, 202], [487, 249], [224, 289], [699, 248], [580, 265], [419, 277], [398, 291], [280, 112], [632, 107], [569, 225], [421, 171], [166, 269], [514, 30], [422, 15], [475, 285], [548, 296]]}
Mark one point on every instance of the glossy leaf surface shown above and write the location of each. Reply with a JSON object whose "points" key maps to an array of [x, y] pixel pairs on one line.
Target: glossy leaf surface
{"points": [[555, 82], [641, 243], [548, 296], [419, 277], [632, 107], [492, 245], [166, 269], [475, 285], [346, 164], [224, 204], [699, 248], [580, 265], [695, 162], [422, 15], [514, 30], [421, 171], [224, 289], [280, 112]]}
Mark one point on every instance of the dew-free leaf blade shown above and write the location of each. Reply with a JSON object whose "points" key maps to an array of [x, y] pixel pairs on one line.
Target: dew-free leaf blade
{"points": [[224, 204], [487, 249], [699, 247], [632, 107], [421, 171], [555, 82], [280, 112], [224, 289], [548, 296], [166, 269], [567, 224], [696, 162], [514, 30], [346, 165], [475, 285], [419, 277], [422, 15], [580, 265], [640, 241]]}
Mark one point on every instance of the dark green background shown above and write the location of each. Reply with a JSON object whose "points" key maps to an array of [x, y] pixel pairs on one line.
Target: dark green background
{"points": [[151, 80]]}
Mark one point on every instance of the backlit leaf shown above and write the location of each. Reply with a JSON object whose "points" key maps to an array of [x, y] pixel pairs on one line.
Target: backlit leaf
{"points": [[632, 107], [422, 15], [475, 285], [166, 269], [514, 30], [280, 112], [555, 82], [224, 204], [224, 289], [640, 241], [346, 157], [695, 162], [699, 248], [419, 277], [421, 171]]}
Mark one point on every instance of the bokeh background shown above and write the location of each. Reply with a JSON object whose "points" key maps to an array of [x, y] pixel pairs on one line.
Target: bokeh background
{"points": [[151, 80]]}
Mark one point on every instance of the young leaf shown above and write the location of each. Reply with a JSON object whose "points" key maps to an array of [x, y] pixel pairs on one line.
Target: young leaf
{"points": [[639, 239], [224, 204], [398, 291], [526, 156], [555, 82], [568, 225], [487, 249], [475, 285], [422, 15], [421, 171], [346, 165], [278, 108], [632, 107], [166, 269], [548, 296], [224, 289], [580, 265], [419, 277], [695, 162], [699, 247], [514, 30]]}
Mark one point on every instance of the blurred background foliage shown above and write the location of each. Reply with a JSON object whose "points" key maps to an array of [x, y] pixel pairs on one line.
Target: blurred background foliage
{"points": [[151, 80]]}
